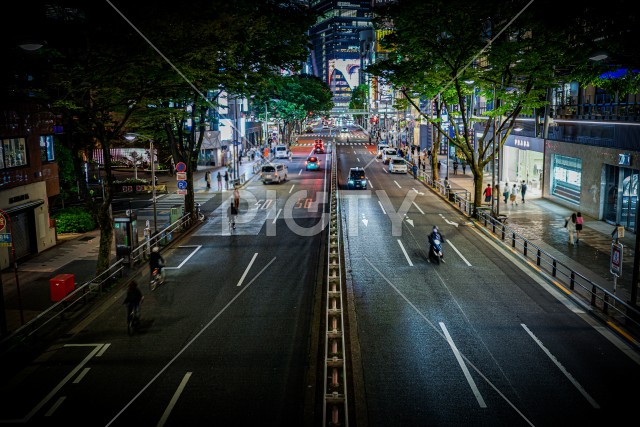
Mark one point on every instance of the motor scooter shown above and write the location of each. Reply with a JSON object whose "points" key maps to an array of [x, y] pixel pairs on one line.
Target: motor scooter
{"points": [[435, 251]]}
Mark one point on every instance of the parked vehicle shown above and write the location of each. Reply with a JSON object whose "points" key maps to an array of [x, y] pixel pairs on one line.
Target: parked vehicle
{"points": [[281, 152]]}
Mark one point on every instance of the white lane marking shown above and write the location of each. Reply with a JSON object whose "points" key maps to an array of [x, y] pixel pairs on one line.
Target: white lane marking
{"points": [[397, 183], [463, 366], [276, 217], [247, 269], [79, 378], [419, 192], [103, 349], [291, 189], [418, 207], [566, 373], [370, 186], [187, 345], [381, 207], [174, 399], [406, 255], [300, 173], [458, 252], [71, 374], [55, 406], [197, 248], [357, 158], [466, 359]]}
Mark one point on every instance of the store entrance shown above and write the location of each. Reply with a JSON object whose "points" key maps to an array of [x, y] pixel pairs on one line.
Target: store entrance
{"points": [[621, 196]]}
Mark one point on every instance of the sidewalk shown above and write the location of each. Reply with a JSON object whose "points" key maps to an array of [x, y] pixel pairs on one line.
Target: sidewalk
{"points": [[541, 221], [77, 254]]}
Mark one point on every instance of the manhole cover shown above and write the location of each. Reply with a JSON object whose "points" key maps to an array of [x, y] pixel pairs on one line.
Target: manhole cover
{"points": [[86, 238]]}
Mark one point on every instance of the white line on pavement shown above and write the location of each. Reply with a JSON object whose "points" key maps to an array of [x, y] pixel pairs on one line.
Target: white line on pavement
{"points": [[277, 215], [291, 189], [397, 183], [562, 368], [418, 207], [406, 255], [247, 269], [381, 207], [463, 366], [187, 258], [459, 254], [174, 399]]}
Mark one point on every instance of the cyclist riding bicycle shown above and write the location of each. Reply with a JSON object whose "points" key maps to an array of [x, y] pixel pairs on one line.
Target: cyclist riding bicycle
{"points": [[155, 261], [133, 299]]}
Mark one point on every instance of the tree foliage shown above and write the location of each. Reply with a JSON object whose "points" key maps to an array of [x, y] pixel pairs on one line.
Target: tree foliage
{"points": [[513, 51]]}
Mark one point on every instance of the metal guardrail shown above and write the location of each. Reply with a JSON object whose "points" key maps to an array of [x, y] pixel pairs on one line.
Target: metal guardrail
{"points": [[594, 294], [65, 309], [73, 304], [335, 402]]}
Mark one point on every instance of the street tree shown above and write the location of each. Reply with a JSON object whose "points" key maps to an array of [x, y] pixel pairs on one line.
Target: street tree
{"points": [[448, 52], [216, 49]]}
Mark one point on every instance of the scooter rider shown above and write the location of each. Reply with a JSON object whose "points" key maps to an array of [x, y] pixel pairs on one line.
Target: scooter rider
{"points": [[436, 235], [155, 261]]}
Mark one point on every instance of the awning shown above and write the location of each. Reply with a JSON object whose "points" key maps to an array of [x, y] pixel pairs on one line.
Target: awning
{"points": [[13, 210]]}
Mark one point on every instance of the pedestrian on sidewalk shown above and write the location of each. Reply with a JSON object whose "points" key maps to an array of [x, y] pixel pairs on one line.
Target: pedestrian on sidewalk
{"points": [[207, 178], [487, 194], [415, 171], [513, 197], [506, 193], [570, 224], [236, 197], [523, 189], [219, 181], [455, 167], [464, 167], [579, 222], [226, 179]]}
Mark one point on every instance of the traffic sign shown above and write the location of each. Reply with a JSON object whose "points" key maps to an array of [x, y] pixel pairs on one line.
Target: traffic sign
{"points": [[181, 192], [181, 167], [181, 176], [615, 267], [182, 185], [3, 222]]}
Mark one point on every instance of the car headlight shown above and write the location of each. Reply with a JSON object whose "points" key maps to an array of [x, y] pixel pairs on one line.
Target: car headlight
{"points": [[364, 181], [350, 181]]}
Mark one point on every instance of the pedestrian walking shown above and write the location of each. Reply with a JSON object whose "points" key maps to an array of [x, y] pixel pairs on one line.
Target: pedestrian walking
{"points": [[523, 189], [226, 179], [207, 178], [219, 181], [513, 198], [570, 225], [487, 194], [464, 167], [236, 197], [506, 193], [415, 171], [579, 222], [455, 167]]}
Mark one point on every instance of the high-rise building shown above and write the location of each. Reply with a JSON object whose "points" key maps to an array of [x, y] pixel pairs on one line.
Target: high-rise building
{"points": [[335, 56]]}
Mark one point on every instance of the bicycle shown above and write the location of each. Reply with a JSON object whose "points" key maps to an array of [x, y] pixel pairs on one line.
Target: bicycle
{"points": [[233, 212], [133, 318]]}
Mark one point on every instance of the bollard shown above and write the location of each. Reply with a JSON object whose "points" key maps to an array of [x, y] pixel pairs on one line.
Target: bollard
{"points": [[525, 248], [503, 231], [513, 239], [538, 258], [605, 307], [593, 295], [553, 270]]}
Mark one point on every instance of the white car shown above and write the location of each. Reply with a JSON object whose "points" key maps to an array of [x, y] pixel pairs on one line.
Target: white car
{"points": [[387, 154], [281, 152], [273, 172], [398, 165], [381, 148]]}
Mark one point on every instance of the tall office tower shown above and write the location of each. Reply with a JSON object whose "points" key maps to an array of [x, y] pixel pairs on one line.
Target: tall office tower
{"points": [[335, 56]]}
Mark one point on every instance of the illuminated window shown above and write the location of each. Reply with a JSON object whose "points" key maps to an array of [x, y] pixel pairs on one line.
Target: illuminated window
{"points": [[46, 148], [14, 153]]}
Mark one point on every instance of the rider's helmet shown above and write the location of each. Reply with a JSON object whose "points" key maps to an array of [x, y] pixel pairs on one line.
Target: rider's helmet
{"points": [[435, 228], [156, 249]]}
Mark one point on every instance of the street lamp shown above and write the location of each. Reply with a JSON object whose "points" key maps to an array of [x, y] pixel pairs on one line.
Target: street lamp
{"points": [[132, 137]]}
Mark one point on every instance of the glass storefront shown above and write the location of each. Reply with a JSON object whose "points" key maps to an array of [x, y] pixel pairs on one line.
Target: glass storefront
{"points": [[621, 196], [566, 177]]}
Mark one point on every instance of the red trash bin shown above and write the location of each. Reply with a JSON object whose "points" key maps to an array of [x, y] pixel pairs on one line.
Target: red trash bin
{"points": [[61, 285]]}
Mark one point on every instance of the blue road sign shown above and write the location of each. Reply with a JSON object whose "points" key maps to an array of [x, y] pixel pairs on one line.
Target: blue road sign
{"points": [[182, 185]]}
